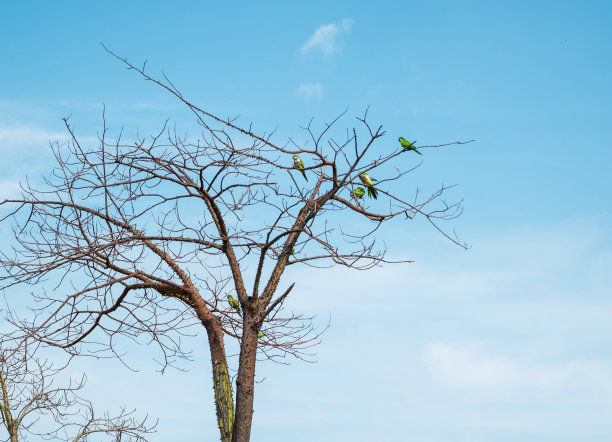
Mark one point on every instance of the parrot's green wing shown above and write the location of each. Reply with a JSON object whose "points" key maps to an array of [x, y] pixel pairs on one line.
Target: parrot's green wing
{"points": [[359, 192], [234, 304], [299, 164], [407, 145], [367, 181]]}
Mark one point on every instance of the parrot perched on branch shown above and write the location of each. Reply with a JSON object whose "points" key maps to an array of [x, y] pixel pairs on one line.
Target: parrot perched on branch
{"points": [[234, 304], [358, 193], [367, 181], [407, 145], [299, 164]]}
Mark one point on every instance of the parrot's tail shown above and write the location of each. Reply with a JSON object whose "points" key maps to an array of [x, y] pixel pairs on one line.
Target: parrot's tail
{"points": [[372, 192]]}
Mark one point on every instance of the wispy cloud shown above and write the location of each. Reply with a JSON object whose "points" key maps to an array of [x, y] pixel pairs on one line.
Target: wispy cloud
{"points": [[308, 91], [325, 38], [9, 189], [473, 367], [21, 135]]}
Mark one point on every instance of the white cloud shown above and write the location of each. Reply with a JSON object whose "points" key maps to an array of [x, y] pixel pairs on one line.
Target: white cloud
{"points": [[9, 189], [308, 91], [472, 367], [347, 23], [22, 135], [325, 37], [464, 367]]}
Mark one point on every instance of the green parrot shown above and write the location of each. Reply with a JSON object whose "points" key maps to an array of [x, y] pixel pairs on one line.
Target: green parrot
{"points": [[367, 181], [260, 335], [358, 193], [234, 304], [299, 164], [407, 145]]}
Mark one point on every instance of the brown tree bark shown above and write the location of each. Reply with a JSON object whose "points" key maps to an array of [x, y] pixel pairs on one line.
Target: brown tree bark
{"points": [[222, 386], [222, 383], [245, 383], [6, 411]]}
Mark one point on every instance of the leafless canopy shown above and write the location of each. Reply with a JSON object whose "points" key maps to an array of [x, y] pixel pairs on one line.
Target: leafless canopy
{"points": [[131, 238], [142, 239]]}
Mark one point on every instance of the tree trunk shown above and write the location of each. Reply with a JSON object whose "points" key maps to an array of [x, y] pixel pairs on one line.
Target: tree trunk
{"points": [[245, 384], [5, 408], [221, 383]]}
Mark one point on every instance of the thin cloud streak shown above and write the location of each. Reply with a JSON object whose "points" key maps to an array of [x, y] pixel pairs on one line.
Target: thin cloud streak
{"points": [[9, 189], [21, 135], [326, 36], [308, 91], [471, 366]]}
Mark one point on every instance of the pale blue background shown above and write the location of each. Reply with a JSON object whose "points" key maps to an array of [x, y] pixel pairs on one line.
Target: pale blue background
{"points": [[509, 341]]}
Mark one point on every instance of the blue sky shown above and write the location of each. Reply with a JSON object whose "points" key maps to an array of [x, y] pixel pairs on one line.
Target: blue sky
{"points": [[508, 341]]}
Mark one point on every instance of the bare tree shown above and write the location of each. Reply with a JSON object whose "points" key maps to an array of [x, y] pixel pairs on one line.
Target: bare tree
{"points": [[146, 239], [32, 405]]}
